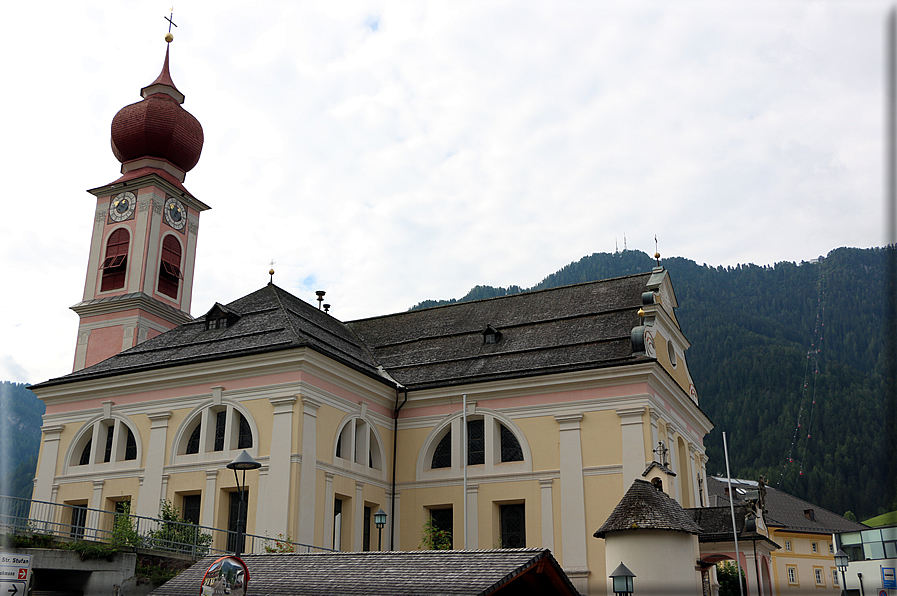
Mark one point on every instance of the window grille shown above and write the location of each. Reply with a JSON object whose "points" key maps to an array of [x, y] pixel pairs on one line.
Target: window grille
{"points": [[510, 446], [513, 526], [442, 456], [476, 442]]}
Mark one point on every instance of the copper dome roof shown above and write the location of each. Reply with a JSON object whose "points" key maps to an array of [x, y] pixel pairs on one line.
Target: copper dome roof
{"points": [[158, 127]]}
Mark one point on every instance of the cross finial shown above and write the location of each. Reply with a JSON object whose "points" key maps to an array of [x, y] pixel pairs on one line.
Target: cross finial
{"points": [[662, 452], [169, 37], [271, 271]]}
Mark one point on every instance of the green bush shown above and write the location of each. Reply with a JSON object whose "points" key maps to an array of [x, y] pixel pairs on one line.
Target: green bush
{"points": [[432, 538], [178, 534]]}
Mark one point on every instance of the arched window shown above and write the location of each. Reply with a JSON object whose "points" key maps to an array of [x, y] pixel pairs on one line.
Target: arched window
{"points": [[358, 443], [115, 264], [494, 445], [115, 442], [170, 267], [215, 428]]}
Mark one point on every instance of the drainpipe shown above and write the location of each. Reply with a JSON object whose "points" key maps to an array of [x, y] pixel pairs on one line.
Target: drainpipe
{"points": [[395, 435]]}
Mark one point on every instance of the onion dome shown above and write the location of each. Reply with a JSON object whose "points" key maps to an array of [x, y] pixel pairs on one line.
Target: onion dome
{"points": [[157, 128]]}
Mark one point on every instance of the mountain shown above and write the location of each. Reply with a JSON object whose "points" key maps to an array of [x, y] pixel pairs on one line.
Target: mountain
{"points": [[20, 422], [790, 361]]}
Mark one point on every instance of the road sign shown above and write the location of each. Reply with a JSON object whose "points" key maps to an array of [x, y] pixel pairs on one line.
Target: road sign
{"points": [[12, 588], [14, 568]]}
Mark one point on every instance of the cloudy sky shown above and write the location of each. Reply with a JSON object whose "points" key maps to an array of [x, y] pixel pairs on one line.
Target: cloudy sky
{"points": [[391, 152]]}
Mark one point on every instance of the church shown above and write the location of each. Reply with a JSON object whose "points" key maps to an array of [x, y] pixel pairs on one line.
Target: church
{"points": [[518, 421]]}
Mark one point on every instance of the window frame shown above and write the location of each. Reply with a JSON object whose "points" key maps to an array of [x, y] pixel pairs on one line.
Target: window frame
{"points": [[791, 575], [204, 417], [114, 266], [451, 426], [359, 437], [92, 438], [168, 279]]}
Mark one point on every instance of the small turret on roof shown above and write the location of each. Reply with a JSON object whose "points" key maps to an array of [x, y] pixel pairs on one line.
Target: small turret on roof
{"points": [[645, 507]]}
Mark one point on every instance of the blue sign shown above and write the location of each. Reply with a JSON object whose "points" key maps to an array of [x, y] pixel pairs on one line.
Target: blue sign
{"points": [[888, 579]]}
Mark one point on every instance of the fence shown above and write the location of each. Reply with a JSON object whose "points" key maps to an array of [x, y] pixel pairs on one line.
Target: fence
{"points": [[75, 522]]}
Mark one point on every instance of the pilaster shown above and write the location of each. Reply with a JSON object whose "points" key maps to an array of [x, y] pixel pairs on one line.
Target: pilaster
{"points": [[150, 492], [308, 471], [573, 507]]}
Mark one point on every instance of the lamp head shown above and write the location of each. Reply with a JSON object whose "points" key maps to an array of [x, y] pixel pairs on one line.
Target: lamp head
{"points": [[244, 461]]}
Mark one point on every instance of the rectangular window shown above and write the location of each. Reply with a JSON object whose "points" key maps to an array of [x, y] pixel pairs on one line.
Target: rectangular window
{"points": [[220, 425], [191, 509], [835, 578], [79, 520], [443, 523], [814, 547], [819, 576], [476, 442], [110, 431], [337, 523], [831, 549], [788, 545], [792, 575], [513, 526], [366, 529], [235, 521]]}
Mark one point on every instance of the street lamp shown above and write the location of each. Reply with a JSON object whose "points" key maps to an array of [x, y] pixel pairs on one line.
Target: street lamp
{"points": [[243, 462], [622, 580], [841, 563], [380, 521]]}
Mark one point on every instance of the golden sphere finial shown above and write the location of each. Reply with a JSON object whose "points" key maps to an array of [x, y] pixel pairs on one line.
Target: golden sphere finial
{"points": [[641, 312], [169, 37], [270, 271], [657, 255]]}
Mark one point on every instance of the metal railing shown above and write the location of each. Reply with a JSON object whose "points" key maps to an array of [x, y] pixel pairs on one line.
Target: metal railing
{"points": [[75, 522]]}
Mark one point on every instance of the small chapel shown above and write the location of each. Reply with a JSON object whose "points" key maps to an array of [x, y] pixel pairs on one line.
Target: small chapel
{"points": [[519, 421]]}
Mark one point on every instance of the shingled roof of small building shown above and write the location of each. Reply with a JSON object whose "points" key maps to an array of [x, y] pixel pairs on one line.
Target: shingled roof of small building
{"points": [[644, 507], [786, 511], [433, 573], [577, 327]]}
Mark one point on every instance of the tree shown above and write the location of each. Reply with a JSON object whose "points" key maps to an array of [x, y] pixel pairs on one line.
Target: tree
{"points": [[728, 582]]}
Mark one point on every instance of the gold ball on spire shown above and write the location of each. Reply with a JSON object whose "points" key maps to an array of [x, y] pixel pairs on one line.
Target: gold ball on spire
{"points": [[641, 312], [169, 37], [271, 272], [657, 255]]}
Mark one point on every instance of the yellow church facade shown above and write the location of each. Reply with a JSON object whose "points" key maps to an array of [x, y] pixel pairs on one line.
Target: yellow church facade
{"points": [[569, 392]]}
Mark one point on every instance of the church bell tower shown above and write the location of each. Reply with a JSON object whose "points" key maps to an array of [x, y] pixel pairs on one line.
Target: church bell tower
{"points": [[143, 249]]}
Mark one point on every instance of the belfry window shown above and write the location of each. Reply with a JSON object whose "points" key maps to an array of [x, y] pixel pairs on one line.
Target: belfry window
{"points": [[170, 267], [115, 265]]}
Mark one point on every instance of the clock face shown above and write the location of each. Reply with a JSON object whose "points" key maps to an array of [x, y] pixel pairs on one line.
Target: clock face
{"points": [[122, 206], [175, 213]]}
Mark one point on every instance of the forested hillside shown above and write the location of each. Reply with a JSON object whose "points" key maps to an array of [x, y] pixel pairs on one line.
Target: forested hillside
{"points": [[759, 335], [20, 422]]}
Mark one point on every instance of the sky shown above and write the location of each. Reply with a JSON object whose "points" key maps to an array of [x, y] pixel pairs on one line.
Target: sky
{"points": [[390, 152]]}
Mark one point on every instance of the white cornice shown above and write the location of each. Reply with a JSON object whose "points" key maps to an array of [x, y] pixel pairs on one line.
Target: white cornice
{"points": [[137, 300]]}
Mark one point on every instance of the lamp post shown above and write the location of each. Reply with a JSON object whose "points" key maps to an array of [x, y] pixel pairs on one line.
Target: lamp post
{"points": [[380, 521], [841, 563], [622, 580], [242, 462]]}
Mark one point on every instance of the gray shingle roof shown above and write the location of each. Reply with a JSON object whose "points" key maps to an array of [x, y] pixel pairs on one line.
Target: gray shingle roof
{"points": [[570, 328], [786, 510], [449, 573], [644, 507]]}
